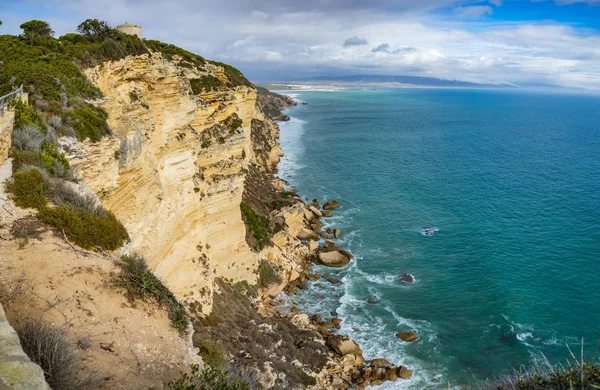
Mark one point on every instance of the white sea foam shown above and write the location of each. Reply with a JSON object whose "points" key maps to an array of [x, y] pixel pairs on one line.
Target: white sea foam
{"points": [[374, 333]]}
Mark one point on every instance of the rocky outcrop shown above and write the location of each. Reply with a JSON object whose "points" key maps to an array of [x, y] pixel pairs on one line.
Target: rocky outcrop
{"points": [[16, 369], [174, 171], [273, 104], [407, 278], [6, 127]]}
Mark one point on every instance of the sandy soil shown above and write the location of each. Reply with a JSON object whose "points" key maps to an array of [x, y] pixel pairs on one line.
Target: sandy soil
{"points": [[132, 345]]}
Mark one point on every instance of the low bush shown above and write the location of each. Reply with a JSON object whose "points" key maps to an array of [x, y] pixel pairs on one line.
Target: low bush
{"points": [[235, 324], [244, 287], [27, 116], [48, 346], [88, 230], [88, 121], [24, 158], [210, 378], [267, 275], [28, 188], [212, 353], [141, 283], [258, 227], [54, 162], [28, 137], [205, 83], [64, 192]]}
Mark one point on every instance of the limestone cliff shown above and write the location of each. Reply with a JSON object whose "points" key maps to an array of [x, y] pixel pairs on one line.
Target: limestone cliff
{"points": [[174, 172]]}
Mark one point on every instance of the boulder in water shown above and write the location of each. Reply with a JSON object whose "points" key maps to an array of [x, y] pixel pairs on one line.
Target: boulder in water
{"points": [[331, 204], [336, 258], [407, 278], [407, 336]]}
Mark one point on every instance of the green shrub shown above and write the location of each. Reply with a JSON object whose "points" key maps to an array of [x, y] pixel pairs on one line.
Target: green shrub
{"points": [[235, 124], [141, 283], [53, 161], [169, 51], [212, 354], [28, 188], [209, 378], [267, 275], [23, 158], [257, 225], [86, 229], [27, 116], [88, 122], [235, 77], [244, 287], [208, 83]]}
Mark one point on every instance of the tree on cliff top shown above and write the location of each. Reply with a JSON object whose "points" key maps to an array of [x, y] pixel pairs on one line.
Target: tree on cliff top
{"points": [[36, 30], [94, 29]]}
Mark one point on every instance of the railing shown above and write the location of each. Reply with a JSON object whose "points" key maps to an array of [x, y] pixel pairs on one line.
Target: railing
{"points": [[5, 100]]}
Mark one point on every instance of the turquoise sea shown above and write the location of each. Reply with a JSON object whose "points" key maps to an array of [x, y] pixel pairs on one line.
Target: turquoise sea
{"points": [[512, 181]]}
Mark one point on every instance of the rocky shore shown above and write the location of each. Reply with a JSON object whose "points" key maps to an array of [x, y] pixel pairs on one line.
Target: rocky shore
{"points": [[297, 228]]}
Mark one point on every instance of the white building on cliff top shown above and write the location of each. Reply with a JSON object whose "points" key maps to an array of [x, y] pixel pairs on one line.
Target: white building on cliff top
{"points": [[131, 29]]}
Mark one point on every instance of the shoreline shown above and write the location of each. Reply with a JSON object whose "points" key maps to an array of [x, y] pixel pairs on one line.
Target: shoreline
{"points": [[379, 370]]}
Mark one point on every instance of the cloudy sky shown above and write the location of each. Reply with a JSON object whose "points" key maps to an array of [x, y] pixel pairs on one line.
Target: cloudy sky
{"points": [[496, 41]]}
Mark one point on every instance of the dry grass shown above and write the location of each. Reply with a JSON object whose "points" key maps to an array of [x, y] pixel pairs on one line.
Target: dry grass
{"points": [[577, 374], [250, 340], [48, 346]]}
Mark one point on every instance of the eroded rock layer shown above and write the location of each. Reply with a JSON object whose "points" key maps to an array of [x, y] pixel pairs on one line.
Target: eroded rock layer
{"points": [[174, 172]]}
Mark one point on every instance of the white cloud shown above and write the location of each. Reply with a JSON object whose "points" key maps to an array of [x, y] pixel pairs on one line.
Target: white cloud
{"points": [[241, 42], [497, 3], [256, 14], [301, 38], [473, 12], [384, 47]]}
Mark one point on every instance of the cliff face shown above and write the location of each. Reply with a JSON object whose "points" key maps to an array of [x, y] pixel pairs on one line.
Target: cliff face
{"points": [[174, 172]]}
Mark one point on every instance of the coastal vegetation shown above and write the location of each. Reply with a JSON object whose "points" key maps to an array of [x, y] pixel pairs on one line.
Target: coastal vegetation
{"points": [[258, 227], [49, 347], [140, 283], [210, 378], [88, 230], [235, 325], [76, 216], [576, 374], [50, 69], [267, 275]]}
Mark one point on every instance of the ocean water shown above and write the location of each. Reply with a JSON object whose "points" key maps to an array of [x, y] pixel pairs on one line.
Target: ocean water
{"points": [[512, 181]]}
